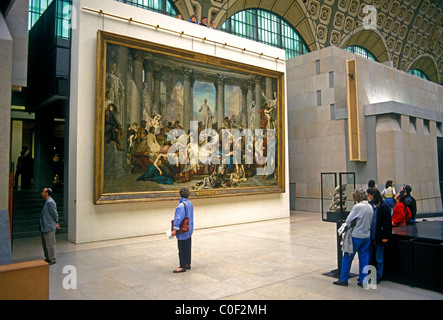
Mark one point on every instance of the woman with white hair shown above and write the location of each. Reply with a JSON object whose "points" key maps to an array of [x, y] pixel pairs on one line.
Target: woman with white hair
{"points": [[359, 219]]}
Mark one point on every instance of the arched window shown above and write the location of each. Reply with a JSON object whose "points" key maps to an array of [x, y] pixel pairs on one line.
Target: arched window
{"points": [[160, 6], [266, 27], [418, 73], [361, 52]]}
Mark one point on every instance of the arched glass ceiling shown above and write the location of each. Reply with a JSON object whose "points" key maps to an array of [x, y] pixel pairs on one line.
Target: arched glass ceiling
{"points": [[361, 52]]}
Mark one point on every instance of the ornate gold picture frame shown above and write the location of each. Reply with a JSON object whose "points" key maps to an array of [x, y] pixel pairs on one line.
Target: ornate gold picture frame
{"points": [[167, 118]]}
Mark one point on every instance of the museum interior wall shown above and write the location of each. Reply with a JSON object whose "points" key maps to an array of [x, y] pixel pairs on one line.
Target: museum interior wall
{"points": [[13, 53], [91, 222], [400, 118], [13, 37]]}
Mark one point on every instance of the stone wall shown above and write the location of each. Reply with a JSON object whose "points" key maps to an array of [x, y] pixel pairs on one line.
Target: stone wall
{"points": [[400, 118], [89, 222]]}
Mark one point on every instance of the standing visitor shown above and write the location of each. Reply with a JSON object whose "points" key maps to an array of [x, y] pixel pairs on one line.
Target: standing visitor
{"points": [[388, 193], [360, 215], [19, 166], [204, 22], [401, 214], [48, 225], [381, 229], [193, 19], [410, 202], [183, 210]]}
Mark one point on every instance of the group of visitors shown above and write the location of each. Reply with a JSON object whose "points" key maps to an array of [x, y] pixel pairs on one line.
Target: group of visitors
{"points": [[403, 205], [368, 227], [203, 22]]}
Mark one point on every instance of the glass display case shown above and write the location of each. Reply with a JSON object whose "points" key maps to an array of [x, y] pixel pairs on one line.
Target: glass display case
{"points": [[336, 195], [336, 203]]}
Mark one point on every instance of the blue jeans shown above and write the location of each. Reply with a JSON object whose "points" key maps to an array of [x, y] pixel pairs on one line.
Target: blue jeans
{"points": [[362, 247], [376, 252]]}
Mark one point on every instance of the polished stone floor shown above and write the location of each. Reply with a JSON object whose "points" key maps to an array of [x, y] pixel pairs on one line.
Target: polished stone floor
{"points": [[282, 259]]}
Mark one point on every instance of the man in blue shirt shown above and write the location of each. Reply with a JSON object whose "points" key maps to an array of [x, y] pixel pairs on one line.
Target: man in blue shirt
{"points": [[183, 210]]}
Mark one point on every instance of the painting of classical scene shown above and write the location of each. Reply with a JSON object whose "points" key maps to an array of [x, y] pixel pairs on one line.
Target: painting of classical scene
{"points": [[171, 121]]}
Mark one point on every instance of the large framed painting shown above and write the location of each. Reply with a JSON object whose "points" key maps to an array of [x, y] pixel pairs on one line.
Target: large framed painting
{"points": [[167, 118]]}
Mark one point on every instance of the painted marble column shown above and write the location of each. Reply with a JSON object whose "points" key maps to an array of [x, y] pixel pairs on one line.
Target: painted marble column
{"points": [[147, 100], [188, 97], [220, 103], [258, 95], [244, 104], [252, 108], [157, 89]]}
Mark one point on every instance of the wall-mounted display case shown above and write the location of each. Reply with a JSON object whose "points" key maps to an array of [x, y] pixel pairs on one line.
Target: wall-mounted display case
{"points": [[336, 195]]}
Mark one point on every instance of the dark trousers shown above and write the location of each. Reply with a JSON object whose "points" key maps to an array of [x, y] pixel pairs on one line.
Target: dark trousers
{"points": [[184, 252], [376, 255]]}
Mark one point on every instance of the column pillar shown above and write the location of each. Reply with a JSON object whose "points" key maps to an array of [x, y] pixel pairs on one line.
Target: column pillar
{"points": [[269, 93], [244, 104], [188, 97], [252, 111], [258, 104], [44, 147], [136, 103], [147, 91], [138, 70], [220, 103], [157, 87]]}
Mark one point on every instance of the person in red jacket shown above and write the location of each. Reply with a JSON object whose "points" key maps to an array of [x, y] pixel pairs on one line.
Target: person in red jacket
{"points": [[401, 213]]}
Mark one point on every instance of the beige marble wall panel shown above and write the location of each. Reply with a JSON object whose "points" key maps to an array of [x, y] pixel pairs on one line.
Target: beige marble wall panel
{"points": [[17, 21], [320, 142], [301, 190], [424, 190], [438, 205], [430, 188], [313, 205], [313, 190]]}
